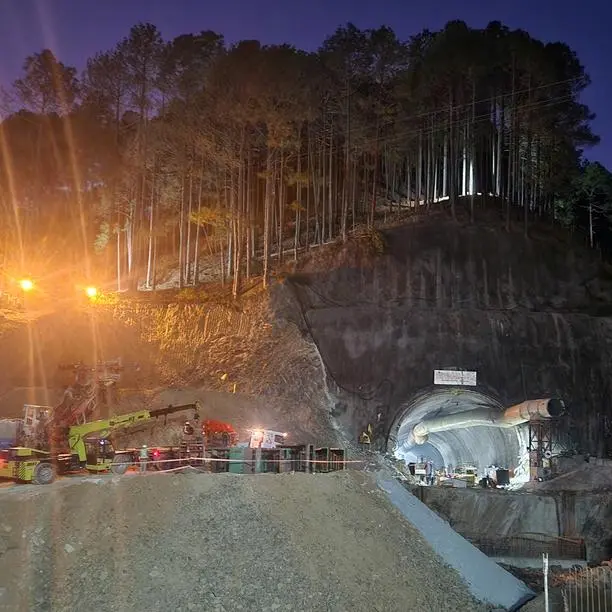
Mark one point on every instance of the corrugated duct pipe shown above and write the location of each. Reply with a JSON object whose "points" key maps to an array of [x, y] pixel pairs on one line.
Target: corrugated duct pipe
{"points": [[511, 417]]}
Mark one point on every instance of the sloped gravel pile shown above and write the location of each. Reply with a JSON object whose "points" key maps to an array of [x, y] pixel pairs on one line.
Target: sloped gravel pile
{"points": [[217, 542]]}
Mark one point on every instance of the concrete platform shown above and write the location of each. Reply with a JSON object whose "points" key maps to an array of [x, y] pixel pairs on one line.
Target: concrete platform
{"points": [[485, 579]]}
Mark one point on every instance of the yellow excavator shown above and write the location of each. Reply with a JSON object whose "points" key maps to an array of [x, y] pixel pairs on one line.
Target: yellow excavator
{"points": [[89, 448]]}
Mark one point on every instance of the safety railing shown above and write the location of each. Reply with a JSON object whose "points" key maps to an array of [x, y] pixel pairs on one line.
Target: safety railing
{"points": [[530, 546], [588, 590]]}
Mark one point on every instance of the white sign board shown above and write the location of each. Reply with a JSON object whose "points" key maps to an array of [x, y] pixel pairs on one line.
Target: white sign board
{"points": [[455, 377]]}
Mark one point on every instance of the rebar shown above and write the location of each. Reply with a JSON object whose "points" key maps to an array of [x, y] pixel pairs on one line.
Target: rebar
{"points": [[588, 590]]}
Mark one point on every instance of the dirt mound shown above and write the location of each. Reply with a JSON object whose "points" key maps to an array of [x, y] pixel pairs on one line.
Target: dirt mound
{"points": [[236, 348], [217, 542]]}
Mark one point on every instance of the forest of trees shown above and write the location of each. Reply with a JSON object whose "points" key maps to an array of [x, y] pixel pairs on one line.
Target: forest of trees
{"points": [[162, 152]]}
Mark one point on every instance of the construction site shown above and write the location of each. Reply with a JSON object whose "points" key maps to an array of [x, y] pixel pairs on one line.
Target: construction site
{"points": [[366, 434]]}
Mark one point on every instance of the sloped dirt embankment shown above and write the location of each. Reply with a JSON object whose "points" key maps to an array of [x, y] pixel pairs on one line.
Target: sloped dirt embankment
{"points": [[218, 542], [175, 354]]}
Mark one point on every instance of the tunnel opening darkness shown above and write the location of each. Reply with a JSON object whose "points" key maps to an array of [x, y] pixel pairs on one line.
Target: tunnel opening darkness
{"points": [[459, 427]]}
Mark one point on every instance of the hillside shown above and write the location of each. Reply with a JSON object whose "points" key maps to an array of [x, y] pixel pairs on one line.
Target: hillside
{"points": [[430, 293]]}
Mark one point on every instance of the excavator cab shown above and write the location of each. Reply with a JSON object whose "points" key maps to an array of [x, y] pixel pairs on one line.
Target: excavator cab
{"points": [[100, 453]]}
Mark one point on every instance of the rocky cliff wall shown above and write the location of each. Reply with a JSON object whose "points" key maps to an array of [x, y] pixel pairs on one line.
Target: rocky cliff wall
{"points": [[528, 314]]}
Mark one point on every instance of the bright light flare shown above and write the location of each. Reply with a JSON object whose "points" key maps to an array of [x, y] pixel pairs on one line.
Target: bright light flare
{"points": [[91, 292], [26, 284]]}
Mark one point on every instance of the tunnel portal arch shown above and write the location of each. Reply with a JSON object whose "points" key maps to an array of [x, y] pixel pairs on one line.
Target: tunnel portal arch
{"points": [[479, 445]]}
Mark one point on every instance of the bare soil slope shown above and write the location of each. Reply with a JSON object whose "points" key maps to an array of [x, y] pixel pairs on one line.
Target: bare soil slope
{"points": [[217, 542], [303, 422]]}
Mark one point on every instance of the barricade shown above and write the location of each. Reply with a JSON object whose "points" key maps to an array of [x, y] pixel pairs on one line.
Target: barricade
{"points": [[588, 590], [304, 458]]}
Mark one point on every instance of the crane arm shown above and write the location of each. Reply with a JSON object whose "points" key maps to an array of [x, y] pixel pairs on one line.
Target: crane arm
{"points": [[170, 409], [77, 433], [104, 427]]}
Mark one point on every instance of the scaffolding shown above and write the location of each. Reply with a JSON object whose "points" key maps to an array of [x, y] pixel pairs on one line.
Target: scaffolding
{"points": [[541, 440]]}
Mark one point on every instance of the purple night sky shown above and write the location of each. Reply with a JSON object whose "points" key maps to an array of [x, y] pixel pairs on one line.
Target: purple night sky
{"points": [[76, 29]]}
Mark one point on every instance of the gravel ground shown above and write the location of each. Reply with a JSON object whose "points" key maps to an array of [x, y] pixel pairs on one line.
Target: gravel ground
{"points": [[218, 542]]}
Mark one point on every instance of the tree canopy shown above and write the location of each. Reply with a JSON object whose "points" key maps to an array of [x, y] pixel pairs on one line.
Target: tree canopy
{"points": [[165, 153]]}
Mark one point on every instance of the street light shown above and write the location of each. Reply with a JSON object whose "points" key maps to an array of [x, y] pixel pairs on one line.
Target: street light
{"points": [[26, 284], [91, 292]]}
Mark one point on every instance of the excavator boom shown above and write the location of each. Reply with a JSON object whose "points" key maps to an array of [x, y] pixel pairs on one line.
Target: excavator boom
{"points": [[104, 427]]}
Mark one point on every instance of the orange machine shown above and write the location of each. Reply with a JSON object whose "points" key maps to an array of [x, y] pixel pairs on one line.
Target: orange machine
{"points": [[218, 434]]}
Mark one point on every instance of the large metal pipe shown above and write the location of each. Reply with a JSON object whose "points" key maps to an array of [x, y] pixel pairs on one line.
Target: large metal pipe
{"points": [[511, 417]]}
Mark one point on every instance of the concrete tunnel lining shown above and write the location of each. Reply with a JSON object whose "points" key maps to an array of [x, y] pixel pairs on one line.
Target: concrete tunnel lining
{"points": [[479, 445]]}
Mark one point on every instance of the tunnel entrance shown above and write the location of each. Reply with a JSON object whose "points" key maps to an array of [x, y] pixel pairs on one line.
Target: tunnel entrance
{"points": [[478, 444]]}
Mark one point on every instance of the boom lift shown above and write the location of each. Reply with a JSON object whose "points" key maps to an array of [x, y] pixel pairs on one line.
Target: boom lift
{"points": [[88, 448], [91, 388]]}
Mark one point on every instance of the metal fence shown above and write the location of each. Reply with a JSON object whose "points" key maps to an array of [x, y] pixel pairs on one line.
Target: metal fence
{"points": [[588, 590], [530, 545]]}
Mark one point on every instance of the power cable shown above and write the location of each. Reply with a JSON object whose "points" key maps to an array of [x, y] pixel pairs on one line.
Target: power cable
{"points": [[439, 112], [468, 105], [429, 130]]}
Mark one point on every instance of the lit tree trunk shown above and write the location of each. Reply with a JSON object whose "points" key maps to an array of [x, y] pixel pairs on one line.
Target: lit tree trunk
{"points": [[181, 267], [498, 158], [452, 180], [119, 256], [281, 206], [330, 178], [375, 174], [444, 191], [268, 202], [188, 221], [196, 251], [472, 144], [151, 225], [347, 167], [298, 195], [248, 216]]}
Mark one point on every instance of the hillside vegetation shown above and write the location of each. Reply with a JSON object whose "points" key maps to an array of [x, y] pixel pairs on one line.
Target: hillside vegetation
{"points": [[197, 155]]}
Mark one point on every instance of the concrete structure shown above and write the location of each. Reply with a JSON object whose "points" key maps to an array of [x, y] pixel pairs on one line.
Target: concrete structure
{"points": [[486, 580]]}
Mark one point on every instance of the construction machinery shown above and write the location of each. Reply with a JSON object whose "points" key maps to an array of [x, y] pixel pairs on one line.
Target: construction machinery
{"points": [[210, 446], [266, 438], [219, 434], [87, 447], [92, 387]]}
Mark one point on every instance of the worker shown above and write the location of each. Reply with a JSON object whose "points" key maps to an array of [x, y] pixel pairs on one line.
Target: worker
{"points": [[430, 475], [364, 439], [188, 429], [144, 456]]}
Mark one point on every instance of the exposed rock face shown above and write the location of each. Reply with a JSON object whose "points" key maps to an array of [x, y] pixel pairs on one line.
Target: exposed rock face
{"points": [[526, 314]]}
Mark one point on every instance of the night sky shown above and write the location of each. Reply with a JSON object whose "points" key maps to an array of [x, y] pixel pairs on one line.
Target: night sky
{"points": [[76, 29]]}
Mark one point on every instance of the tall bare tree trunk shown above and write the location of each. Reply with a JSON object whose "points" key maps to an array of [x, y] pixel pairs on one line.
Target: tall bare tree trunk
{"points": [[268, 203]]}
